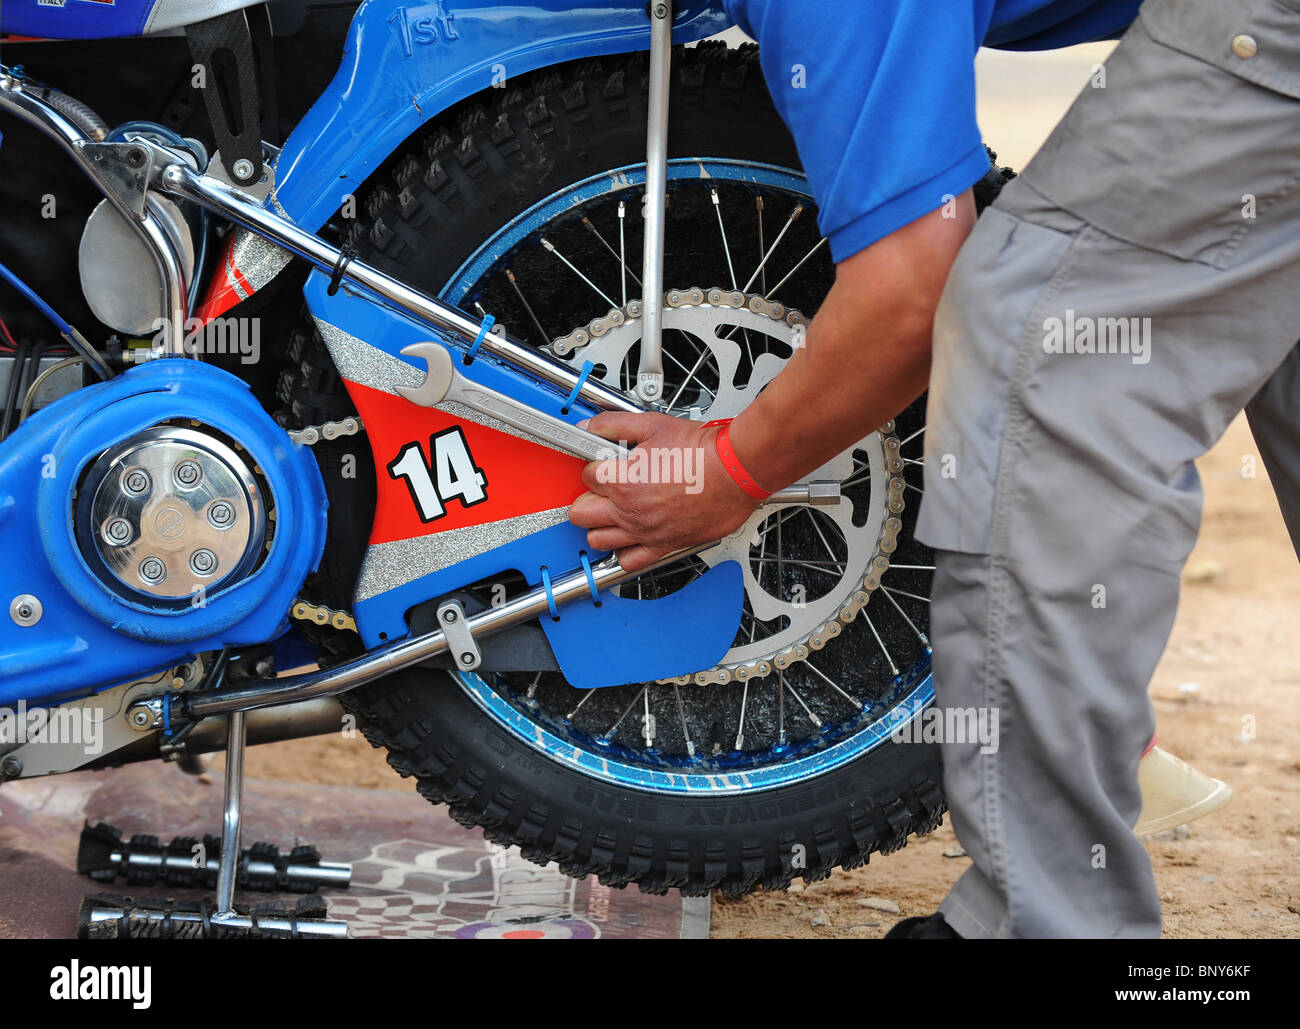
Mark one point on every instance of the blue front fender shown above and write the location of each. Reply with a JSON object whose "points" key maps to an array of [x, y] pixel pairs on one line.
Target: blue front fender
{"points": [[405, 63]]}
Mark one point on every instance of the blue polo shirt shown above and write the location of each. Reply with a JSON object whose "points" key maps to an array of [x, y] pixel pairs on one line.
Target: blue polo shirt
{"points": [[880, 94]]}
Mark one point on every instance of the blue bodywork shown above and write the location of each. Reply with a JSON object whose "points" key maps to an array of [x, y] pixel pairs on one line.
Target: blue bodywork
{"points": [[403, 64], [89, 637]]}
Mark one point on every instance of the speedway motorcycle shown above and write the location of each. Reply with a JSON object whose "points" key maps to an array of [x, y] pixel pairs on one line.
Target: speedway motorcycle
{"points": [[303, 305]]}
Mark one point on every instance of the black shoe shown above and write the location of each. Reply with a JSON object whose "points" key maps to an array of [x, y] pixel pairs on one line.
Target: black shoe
{"points": [[930, 927]]}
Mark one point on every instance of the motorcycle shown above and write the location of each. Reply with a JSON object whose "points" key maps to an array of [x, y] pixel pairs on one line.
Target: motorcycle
{"points": [[347, 279]]}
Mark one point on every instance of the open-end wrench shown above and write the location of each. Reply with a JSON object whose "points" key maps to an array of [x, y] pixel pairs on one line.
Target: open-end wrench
{"points": [[444, 384]]}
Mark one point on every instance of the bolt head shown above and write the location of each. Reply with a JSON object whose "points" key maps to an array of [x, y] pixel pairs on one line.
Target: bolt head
{"points": [[152, 571], [117, 531], [25, 610], [136, 482], [449, 616], [221, 514], [188, 473], [242, 169], [141, 717], [203, 561], [467, 658], [11, 767]]}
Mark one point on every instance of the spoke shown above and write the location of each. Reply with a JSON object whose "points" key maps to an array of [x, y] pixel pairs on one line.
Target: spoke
{"points": [[758, 204], [609, 734], [915, 568], [820, 243], [817, 525], [905, 442], [762, 557], [807, 710], [925, 641], [704, 353], [835, 686], [908, 485], [717, 208], [904, 593], [647, 725], [731, 270], [815, 566], [527, 306], [578, 706], [740, 729], [888, 657], [780, 709], [681, 714], [914, 460], [622, 246], [626, 271], [548, 245], [798, 210], [532, 689]]}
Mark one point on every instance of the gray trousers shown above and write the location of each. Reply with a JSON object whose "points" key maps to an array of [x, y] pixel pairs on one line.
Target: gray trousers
{"points": [[1118, 306]]}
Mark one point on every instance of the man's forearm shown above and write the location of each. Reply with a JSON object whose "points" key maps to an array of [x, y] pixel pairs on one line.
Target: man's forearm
{"points": [[866, 354]]}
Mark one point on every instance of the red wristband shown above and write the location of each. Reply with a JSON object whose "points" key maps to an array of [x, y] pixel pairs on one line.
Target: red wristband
{"points": [[738, 472]]}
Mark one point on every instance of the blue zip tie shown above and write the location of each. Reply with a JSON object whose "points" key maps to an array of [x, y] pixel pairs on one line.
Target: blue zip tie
{"points": [[577, 387], [550, 594], [167, 714], [483, 330], [591, 579]]}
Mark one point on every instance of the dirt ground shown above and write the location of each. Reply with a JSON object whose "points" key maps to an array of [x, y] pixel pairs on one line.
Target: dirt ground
{"points": [[1232, 664]]}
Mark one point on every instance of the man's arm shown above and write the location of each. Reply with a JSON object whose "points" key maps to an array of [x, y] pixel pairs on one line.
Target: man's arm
{"points": [[866, 357]]}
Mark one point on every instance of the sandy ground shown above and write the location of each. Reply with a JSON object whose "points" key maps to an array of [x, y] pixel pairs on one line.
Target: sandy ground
{"points": [[1231, 664]]}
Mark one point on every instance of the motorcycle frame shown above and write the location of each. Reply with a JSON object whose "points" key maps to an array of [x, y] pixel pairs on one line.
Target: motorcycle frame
{"points": [[315, 173]]}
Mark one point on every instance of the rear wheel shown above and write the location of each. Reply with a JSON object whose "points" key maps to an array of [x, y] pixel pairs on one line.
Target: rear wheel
{"points": [[777, 762]]}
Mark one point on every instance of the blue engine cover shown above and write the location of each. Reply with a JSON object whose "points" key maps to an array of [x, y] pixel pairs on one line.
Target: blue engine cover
{"points": [[89, 637]]}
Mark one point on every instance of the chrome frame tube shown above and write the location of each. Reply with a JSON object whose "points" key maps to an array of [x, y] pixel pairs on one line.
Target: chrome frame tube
{"points": [[181, 181], [172, 303], [404, 653], [650, 369]]}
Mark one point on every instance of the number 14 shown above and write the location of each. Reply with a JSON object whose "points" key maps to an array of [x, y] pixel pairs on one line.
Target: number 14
{"points": [[451, 474]]}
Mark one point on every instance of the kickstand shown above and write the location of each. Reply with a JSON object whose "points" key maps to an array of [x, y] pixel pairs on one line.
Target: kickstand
{"points": [[230, 819], [103, 856]]}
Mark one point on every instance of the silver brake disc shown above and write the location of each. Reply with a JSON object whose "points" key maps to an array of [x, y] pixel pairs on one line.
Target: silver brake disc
{"points": [[719, 321]]}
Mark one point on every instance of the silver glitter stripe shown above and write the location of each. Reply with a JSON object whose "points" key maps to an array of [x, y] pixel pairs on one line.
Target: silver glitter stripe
{"points": [[359, 362], [231, 277], [258, 259], [389, 565]]}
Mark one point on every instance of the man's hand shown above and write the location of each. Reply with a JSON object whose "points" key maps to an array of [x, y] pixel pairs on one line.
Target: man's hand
{"points": [[689, 499]]}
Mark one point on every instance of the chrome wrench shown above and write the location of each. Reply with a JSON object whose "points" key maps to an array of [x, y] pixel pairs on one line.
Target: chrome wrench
{"points": [[444, 384]]}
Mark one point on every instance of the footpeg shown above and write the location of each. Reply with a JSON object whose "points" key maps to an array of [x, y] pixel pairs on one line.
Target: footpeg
{"points": [[106, 916], [185, 861]]}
